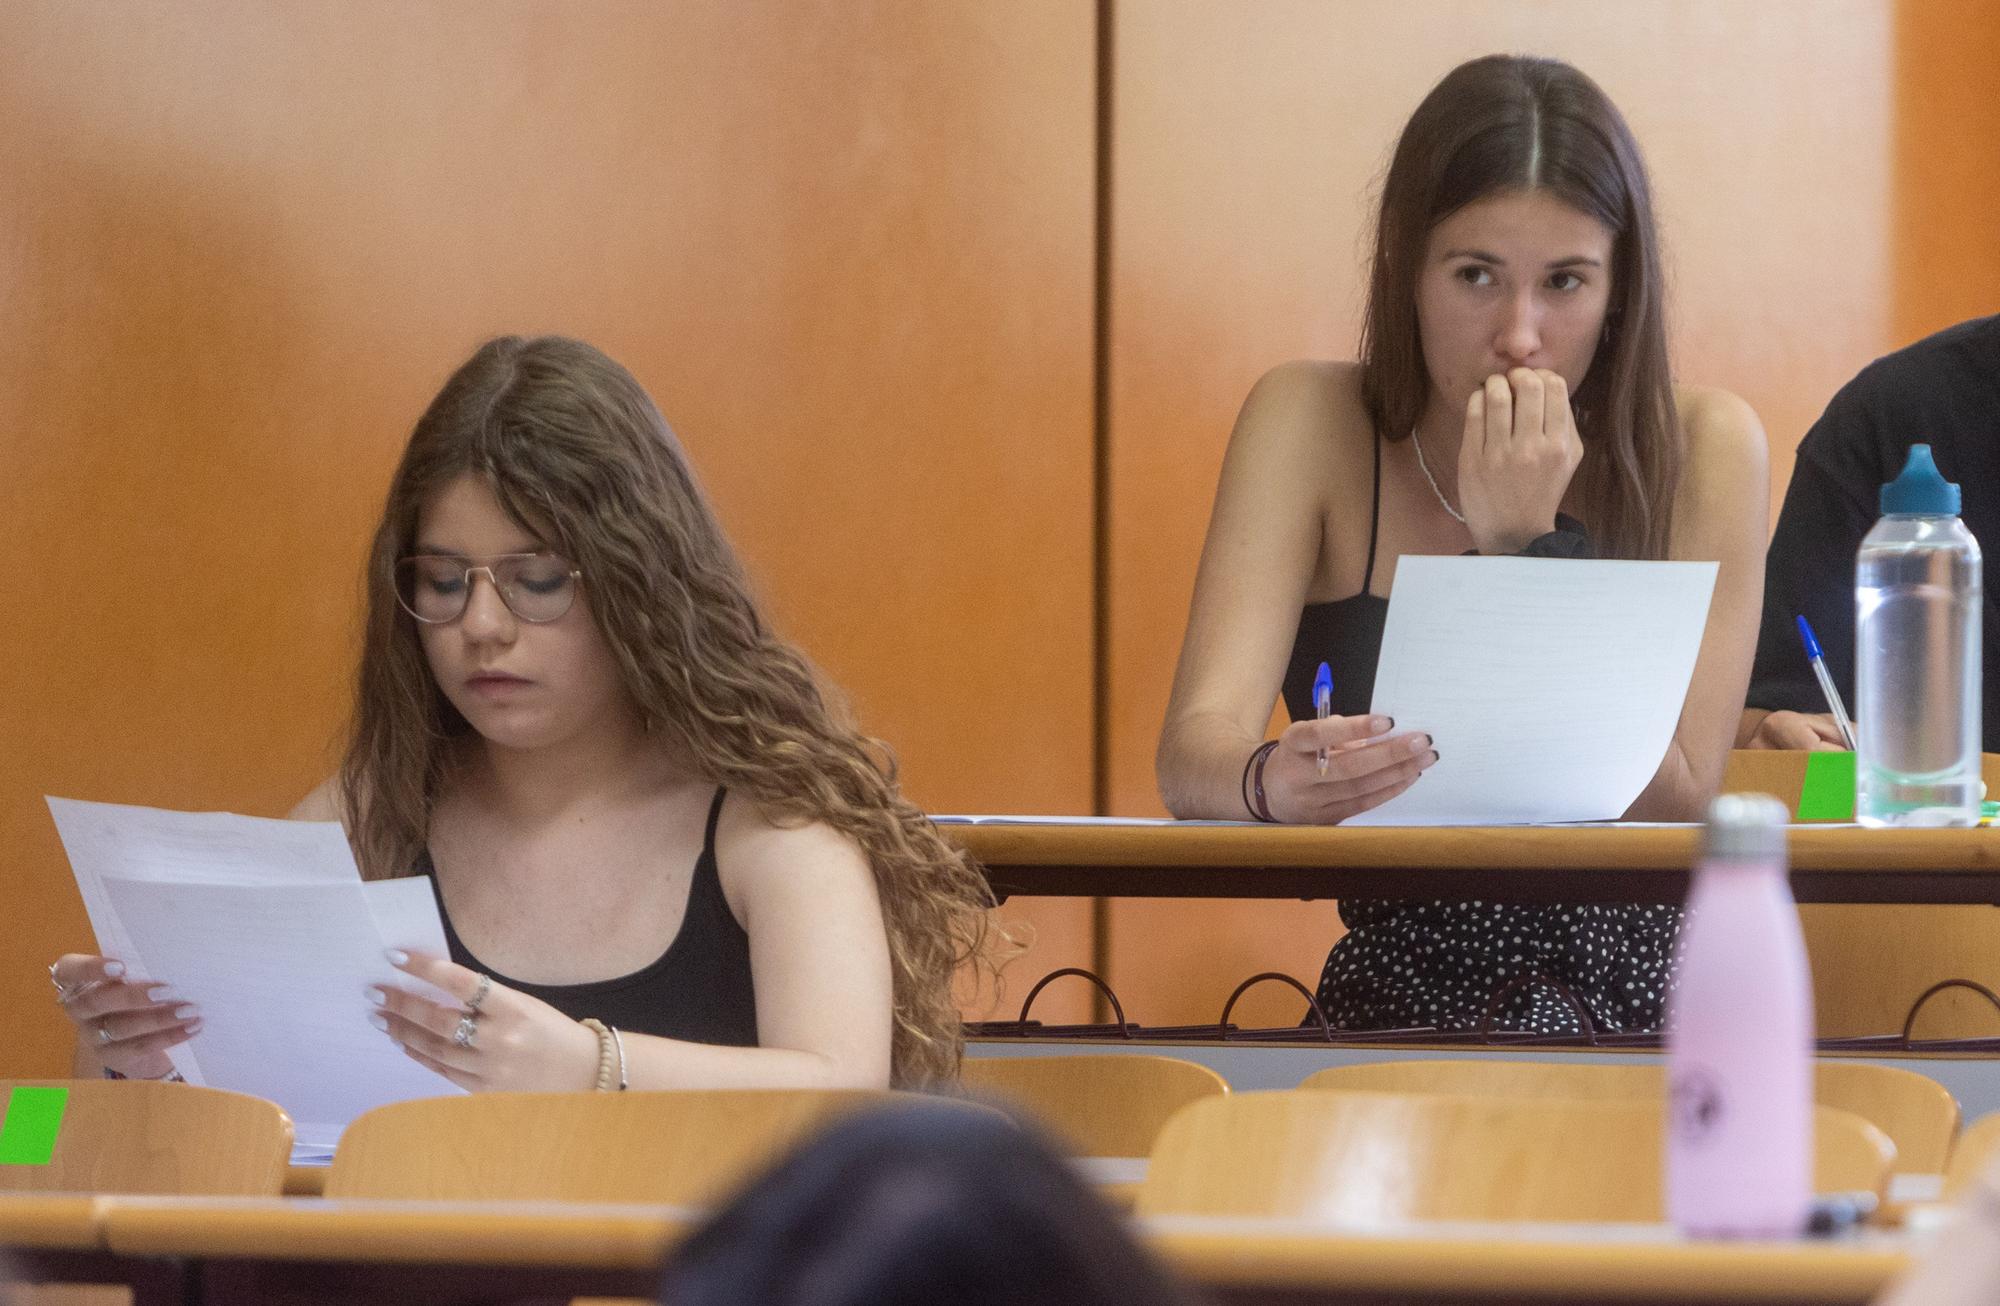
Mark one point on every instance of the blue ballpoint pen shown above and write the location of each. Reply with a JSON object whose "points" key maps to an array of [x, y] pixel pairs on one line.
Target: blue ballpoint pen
{"points": [[1818, 661], [1323, 703]]}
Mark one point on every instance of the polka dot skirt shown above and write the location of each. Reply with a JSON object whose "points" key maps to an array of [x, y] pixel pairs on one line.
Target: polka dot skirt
{"points": [[1408, 964]]}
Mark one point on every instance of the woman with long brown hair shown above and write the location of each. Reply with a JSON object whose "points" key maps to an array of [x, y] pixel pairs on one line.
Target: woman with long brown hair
{"points": [[1513, 396], [638, 807]]}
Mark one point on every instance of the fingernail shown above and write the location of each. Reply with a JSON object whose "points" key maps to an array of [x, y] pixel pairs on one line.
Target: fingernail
{"points": [[379, 1021], [186, 1011], [377, 996], [1434, 757], [113, 969], [1383, 723], [1419, 743], [397, 957], [193, 1026], [1429, 742]]}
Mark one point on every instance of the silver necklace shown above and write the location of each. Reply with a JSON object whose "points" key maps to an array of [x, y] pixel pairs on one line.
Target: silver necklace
{"points": [[1425, 468]]}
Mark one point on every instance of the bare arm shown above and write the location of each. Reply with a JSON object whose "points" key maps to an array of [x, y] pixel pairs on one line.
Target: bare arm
{"points": [[1263, 544], [1722, 515]]}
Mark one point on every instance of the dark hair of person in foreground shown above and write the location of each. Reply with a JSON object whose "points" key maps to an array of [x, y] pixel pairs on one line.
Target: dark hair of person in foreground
{"points": [[918, 1206]]}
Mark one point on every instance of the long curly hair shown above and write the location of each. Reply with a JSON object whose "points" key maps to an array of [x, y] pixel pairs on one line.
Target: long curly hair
{"points": [[1510, 122], [574, 450]]}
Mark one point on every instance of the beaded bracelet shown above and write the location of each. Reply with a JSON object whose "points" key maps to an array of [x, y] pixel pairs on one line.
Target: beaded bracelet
{"points": [[171, 1077], [609, 1054]]}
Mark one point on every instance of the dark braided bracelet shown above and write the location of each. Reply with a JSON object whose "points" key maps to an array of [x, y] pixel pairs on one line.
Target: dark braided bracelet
{"points": [[1252, 785]]}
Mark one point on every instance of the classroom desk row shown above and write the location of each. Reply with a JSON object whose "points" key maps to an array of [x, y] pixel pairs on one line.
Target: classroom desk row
{"points": [[1578, 863], [216, 1251]]}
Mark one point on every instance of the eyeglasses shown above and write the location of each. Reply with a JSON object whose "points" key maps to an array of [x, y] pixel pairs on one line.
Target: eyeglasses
{"points": [[536, 587]]}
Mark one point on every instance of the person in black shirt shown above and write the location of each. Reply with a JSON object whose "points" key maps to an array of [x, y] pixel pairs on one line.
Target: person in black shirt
{"points": [[1943, 391]]}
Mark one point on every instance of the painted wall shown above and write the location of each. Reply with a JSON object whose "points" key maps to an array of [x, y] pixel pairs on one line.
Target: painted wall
{"points": [[852, 254], [849, 251]]}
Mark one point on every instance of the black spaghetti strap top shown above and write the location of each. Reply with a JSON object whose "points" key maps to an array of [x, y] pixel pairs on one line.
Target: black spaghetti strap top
{"points": [[698, 990], [1346, 634]]}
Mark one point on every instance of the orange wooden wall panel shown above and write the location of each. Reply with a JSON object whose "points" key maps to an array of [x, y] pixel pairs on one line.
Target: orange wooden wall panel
{"points": [[1247, 144], [1947, 193], [849, 251]]}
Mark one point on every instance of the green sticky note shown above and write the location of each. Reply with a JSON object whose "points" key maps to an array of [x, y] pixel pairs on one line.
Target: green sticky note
{"points": [[1828, 792], [28, 1130]]}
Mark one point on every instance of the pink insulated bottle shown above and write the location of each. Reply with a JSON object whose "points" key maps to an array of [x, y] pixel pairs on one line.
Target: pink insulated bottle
{"points": [[1739, 1127]]}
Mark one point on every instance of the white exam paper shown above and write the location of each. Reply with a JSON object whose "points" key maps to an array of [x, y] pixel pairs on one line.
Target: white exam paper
{"points": [[268, 928], [1551, 687]]}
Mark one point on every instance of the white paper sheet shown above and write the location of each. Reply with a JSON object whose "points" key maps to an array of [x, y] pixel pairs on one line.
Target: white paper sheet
{"points": [[1551, 686], [267, 926]]}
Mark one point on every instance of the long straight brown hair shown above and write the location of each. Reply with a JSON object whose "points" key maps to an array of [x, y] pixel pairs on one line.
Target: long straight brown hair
{"points": [[575, 452], [1508, 123]]}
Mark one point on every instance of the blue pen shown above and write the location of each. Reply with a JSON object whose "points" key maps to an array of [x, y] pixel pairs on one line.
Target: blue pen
{"points": [[1323, 703], [1818, 661]]}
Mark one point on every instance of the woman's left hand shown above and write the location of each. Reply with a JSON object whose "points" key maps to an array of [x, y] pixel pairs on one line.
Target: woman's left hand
{"points": [[512, 1042]]}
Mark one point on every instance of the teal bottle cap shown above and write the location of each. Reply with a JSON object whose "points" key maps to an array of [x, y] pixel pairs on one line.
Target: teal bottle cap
{"points": [[1921, 490]]}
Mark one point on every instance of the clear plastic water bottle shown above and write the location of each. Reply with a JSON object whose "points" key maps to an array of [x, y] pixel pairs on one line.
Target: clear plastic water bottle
{"points": [[1917, 669], [1739, 1127]]}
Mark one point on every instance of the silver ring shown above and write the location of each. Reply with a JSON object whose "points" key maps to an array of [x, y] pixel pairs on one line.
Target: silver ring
{"points": [[103, 1035], [479, 995], [467, 1033], [62, 994]]}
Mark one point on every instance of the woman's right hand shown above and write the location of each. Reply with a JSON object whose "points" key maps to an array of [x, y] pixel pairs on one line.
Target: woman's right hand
{"points": [[1519, 451], [1365, 767], [128, 1024]]}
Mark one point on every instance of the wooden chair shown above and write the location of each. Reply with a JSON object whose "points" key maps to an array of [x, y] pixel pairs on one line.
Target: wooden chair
{"points": [[137, 1137], [1367, 1158], [1108, 1104], [1871, 961], [1975, 1155], [674, 1148], [1919, 1115]]}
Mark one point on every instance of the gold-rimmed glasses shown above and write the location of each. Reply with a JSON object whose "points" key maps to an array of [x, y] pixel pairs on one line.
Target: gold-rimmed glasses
{"points": [[536, 587]]}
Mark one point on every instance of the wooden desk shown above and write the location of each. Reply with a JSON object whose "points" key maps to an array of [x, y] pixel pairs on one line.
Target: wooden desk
{"points": [[284, 1250], [59, 1238], [1267, 1262], [279, 1250], [1510, 864]]}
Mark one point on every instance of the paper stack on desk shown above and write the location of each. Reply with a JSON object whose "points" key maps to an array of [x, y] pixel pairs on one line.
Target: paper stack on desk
{"points": [[268, 928], [1551, 687]]}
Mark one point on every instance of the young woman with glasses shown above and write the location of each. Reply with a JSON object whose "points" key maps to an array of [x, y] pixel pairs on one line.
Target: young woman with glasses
{"points": [[637, 805], [1513, 396]]}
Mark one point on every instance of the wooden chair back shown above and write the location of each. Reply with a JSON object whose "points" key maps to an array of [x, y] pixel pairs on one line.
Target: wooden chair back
{"points": [[1974, 1155], [1919, 1115], [1370, 1158], [1871, 961], [1109, 1104], [137, 1137], [676, 1148]]}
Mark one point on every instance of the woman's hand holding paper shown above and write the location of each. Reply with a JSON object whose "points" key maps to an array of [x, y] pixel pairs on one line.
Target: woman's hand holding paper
{"points": [[127, 1023], [494, 1037]]}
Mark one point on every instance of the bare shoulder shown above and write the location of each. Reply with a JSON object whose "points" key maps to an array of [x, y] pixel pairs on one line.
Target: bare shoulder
{"points": [[758, 855], [1724, 500], [1303, 400], [322, 804], [1724, 434], [1302, 430]]}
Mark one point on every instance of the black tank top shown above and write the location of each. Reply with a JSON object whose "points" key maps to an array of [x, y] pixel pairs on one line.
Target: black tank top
{"points": [[1346, 634], [697, 990]]}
